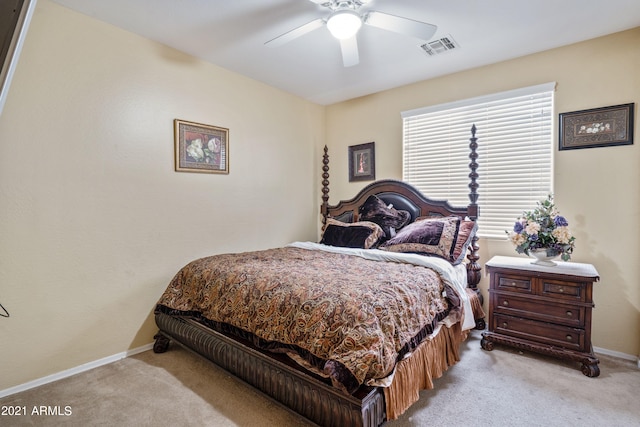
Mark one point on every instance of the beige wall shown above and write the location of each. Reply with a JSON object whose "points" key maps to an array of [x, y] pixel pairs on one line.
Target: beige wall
{"points": [[597, 189], [94, 222]]}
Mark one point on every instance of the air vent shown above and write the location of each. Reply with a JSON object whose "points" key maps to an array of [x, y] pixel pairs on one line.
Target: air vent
{"points": [[442, 45]]}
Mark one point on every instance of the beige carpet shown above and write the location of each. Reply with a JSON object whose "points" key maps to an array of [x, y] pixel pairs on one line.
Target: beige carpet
{"points": [[499, 388]]}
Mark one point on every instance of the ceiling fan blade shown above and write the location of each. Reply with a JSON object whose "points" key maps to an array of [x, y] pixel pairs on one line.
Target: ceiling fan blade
{"points": [[295, 33], [397, 24], [349, 48]]}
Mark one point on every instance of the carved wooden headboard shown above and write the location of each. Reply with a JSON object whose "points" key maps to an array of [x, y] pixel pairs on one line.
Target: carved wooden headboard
{"points": [[406, 197]]}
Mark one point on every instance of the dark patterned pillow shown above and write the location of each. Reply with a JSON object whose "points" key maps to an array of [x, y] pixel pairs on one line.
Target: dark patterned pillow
{"points": [[432, 236], [466, 232], [363, 234], [390, 219]]}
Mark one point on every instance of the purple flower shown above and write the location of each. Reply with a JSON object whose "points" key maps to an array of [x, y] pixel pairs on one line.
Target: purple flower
{"points": [[533, 237], [518, 227], [560, 221]]}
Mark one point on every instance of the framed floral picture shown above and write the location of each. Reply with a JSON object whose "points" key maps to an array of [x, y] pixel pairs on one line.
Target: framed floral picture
{"points": [[362, 162], [598, 127], [201, 148]]}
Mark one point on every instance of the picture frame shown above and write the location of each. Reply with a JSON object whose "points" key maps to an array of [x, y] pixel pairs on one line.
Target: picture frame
{"points": [[201, 148], [362, 162], [597, 127]]}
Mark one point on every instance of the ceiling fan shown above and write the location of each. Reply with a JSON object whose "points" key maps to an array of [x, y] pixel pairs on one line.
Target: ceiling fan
{"points": [[345, 20]]}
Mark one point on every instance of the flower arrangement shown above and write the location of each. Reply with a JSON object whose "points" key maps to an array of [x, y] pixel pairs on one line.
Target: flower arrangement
{"points": [[543, 228]]}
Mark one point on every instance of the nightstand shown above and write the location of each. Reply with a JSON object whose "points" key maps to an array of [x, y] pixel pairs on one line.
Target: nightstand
{"points": [[542, 309]]}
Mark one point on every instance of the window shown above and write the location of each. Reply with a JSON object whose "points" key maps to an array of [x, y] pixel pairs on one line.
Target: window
{"points": [[514, 153]]}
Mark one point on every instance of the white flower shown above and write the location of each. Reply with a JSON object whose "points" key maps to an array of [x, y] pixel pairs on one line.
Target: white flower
{"points": [[517, 239], [532, 228], [214, 145], [562, 235], [194, 149]]}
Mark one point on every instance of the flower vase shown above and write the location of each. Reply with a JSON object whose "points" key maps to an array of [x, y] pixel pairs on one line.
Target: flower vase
{"points": [[543, 258]]}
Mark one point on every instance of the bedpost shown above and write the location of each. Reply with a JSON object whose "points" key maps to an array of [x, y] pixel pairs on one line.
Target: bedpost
{"points": [[325, 187], [473, 268]]}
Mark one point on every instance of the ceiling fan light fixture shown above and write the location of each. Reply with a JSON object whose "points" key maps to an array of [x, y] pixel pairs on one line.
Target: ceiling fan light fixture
{"points": [[344, 24]]}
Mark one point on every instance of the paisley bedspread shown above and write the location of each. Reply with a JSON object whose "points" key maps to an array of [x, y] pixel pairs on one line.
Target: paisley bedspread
{"points": [[354, 318]]}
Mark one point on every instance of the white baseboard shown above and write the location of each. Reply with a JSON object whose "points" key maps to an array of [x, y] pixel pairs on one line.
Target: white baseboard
{"points": [[617, 354], [116, 357], [73, 371]]}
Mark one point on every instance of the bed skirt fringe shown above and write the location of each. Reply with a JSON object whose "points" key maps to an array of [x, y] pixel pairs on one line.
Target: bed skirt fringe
{"points": [[476, 304], [428, 362]]}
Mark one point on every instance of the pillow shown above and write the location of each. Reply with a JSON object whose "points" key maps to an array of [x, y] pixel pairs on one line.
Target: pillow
{"points": [[388, 218], [432, 236], [364, 234], [466, 232]]}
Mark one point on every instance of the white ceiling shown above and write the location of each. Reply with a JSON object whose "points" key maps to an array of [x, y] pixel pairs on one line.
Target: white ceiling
{"points": [[232, 33]]}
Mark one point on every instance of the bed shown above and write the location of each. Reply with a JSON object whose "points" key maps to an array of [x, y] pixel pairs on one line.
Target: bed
{"points": [[348, 330]]}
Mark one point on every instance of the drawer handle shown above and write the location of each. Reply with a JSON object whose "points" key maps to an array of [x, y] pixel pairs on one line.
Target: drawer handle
{"points": [[505, 303], [513, 284], [505, 325], [561, 290], [569, 314], [569, 338]]}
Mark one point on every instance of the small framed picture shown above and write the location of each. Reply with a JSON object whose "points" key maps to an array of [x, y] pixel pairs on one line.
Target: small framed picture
{"points": [[201, 148], [362, 162], [599, 127]]}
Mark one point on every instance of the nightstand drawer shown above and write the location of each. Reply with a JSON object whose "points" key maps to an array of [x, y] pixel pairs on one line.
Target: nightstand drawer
{"points": [[513, 283], [533, 309], [574, 291], [542, 332]]}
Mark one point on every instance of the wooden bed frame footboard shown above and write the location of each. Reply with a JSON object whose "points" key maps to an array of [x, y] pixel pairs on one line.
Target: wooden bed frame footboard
{"points": [[275, 375]]}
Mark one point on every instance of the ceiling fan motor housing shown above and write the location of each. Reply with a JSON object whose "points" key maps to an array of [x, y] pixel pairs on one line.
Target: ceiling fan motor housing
{"points": [[344, 4]]}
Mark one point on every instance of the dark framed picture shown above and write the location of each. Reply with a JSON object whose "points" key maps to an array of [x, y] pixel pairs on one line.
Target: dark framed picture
{"points": [[362, 162], [201, 148], [598, 127]]}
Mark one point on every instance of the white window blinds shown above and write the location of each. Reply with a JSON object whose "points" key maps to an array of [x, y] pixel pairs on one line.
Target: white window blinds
{"points": [[514, 153]]}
